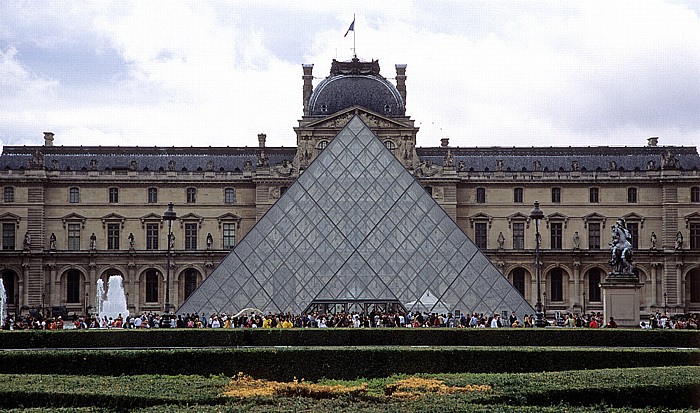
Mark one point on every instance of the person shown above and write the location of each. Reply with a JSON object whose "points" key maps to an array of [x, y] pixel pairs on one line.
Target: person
{"points": [[593, 323], [513, 318], [611, 323]]}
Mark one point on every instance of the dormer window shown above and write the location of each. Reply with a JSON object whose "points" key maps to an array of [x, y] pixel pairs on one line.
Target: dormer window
{"points": [[324, 108], [387, 108]]}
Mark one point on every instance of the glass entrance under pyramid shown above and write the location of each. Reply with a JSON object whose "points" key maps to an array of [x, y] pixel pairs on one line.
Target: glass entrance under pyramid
{"points": [[356, 229]]}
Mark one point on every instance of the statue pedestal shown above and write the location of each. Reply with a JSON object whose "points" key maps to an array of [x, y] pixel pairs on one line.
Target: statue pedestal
{"points": [[621, 294]]}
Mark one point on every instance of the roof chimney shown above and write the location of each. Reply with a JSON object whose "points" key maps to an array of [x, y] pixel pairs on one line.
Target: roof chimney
{"points": [[653, 141], [48, 138], [261, 139], [401, 81], [308, 87], [445, 142]]}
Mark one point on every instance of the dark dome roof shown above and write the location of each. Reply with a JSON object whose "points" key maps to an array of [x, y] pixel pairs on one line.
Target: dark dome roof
{"points": [[356, 83]]}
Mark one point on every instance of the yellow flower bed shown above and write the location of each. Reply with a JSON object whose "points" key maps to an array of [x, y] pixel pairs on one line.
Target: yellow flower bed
{"points": [[414, 387]]}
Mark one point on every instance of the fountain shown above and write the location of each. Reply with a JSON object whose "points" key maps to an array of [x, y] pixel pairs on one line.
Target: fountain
{"points": [[111, 303], [3, 302]]}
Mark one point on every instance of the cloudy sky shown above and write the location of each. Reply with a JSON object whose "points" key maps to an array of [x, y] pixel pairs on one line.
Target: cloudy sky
{"points": [[491, 73]]}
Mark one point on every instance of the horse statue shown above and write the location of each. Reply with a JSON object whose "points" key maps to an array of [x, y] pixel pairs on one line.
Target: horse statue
{"points": [[621, 249]]}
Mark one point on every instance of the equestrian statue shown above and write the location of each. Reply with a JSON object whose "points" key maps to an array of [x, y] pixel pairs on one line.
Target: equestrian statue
{"points": [[621, 249]]}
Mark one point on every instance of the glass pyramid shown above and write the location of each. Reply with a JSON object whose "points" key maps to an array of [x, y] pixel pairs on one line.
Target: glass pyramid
{"points": [[356, 227]]}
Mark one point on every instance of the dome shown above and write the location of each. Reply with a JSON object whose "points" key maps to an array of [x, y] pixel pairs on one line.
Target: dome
{"points": [[356, 83]]}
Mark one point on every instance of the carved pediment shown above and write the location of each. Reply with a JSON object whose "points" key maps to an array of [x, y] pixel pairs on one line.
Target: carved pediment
{"points": [[480, 217], [8, 216], [594, 217], [151, 218], [341, 118], [113, 218], [190, 217], [692, 217], [634, 217], [557, 217], [73, 217], [229, 217], [518, 217]]}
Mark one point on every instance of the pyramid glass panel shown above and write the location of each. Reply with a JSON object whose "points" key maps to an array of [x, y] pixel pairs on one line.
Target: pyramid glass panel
{"points": [[356, 227]]}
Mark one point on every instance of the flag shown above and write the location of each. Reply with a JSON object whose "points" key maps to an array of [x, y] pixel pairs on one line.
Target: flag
{"points": [[352, 27]]}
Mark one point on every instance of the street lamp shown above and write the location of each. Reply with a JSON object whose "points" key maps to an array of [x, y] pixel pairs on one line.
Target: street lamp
{"points": [[537, 215], [665, 302], [169, 216]]}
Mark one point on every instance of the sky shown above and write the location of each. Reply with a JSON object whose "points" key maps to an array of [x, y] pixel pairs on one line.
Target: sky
{"points": [[481, 73]]}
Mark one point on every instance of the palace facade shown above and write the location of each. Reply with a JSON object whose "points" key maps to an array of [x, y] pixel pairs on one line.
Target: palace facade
{"points": [[72, 215]]}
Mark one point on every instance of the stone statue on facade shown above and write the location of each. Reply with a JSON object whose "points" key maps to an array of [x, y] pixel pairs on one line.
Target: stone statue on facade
{"points": [[679, 241], [210, 241], [131, 241], [577, 241], [501, 240], [27, 241], [621, 249], [93, 242], [653, 241], [52, 242]]}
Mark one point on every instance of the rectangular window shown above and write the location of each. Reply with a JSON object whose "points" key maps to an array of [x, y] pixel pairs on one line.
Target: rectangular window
{"points": [[593, 195], [594, 236], [191, 195], [74, 237], [556, 195], [152, 195], [633, 228], [8, 236], [151, 236], [191, 236], [9, 194], [229, 235], [695, 194], [518, 195], [518, 235], [480, 235], [113, 195], [229, 196], [556, 232], [632, 195], [480, 195], [112, 236], [74, 195], [694, 236]]}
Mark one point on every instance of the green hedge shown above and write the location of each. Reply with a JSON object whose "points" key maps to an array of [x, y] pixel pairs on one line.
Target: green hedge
{"points": [[558, 337], [667, 387], [341, 363]]}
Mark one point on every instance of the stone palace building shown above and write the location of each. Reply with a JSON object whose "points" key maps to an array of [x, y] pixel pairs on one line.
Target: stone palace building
{"points": [[71, 215]]}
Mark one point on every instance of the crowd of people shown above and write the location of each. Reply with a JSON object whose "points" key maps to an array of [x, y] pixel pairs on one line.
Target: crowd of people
{"points": [[374, 319]]}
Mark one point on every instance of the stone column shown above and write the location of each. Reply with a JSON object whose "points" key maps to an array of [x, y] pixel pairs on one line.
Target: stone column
{"points": [[53, 295], [576, 299], [680, 299], [654, 284]]}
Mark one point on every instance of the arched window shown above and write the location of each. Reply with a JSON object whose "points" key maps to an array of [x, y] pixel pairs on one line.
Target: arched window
{"points": [[321, 145], [73, 286], [594, 285], [556, 281], [190, 282], [694, 282], [8, 280], [390, 145], [152, 281], [519, 280]]}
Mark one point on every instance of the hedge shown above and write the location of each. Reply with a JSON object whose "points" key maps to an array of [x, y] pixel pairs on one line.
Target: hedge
{"points": [[556, 337], [668, 387], [342, 363]]}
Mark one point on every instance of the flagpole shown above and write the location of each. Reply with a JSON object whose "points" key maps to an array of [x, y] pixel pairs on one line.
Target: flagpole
{"points": [[354, 50]]}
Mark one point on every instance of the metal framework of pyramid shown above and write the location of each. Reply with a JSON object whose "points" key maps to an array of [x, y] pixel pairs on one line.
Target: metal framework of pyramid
{"points": [[356, 228]]}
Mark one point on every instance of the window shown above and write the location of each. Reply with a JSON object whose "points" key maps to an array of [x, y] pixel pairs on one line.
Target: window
{"points": [[322, 145], [518, 195], [74, 237], [73, 286], [632, 195], [480, 195], [74, 195], [518, 235], [152, 286], [480, 235], [694, 286], [390, 145], [152, 195], [8, 236], [113, 195], [229, 196], [191, 236], [556, 281], [694, 235], [593, 195], [112, 236], [519, 280], [594, 236], [191, 195], [229, 235], [429, 190], [593, 285], [190, 282], [556, 235], [9, 194], [283, 189], [556, 195], [694, 194], [633, 228], [151, 236]]}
